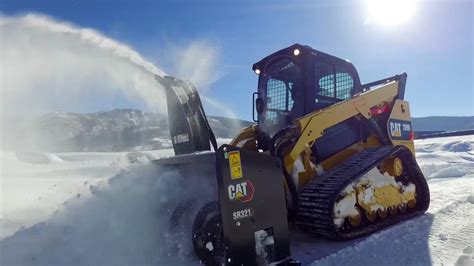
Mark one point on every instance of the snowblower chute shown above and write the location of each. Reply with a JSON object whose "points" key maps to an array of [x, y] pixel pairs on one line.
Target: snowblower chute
{"points": [[327, 153], [189, 129]]}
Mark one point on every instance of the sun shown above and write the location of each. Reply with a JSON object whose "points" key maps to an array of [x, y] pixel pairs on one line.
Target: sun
{"points": [[390, 12]]}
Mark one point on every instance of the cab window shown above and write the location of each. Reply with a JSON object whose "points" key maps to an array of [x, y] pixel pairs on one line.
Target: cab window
{"points": [[333, 85], [281, 87]]}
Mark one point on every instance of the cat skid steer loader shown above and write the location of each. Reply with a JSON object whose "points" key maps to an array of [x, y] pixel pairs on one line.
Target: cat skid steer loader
{"points": [[328, 154]]}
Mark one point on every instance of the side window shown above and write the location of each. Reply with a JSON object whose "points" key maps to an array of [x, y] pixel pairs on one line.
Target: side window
{"points": [[332, 82], [324, 79], [326, 86], [344, 84]]}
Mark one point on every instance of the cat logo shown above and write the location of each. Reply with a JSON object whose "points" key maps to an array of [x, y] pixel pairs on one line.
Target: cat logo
{"points": [[242, 192], [399, 129], [395, 129]]}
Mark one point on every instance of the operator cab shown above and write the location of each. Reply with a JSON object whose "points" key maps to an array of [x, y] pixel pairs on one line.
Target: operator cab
{"points": [[298, 80]]}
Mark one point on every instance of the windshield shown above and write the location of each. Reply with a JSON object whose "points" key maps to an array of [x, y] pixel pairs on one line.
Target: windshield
{"points": [[281, 88]]}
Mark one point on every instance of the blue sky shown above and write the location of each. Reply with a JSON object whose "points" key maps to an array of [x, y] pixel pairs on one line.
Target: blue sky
{"points": [[435, 47]]}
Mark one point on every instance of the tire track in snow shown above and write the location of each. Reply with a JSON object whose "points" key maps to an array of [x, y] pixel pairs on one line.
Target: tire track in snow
{"points": [[454, 229]]}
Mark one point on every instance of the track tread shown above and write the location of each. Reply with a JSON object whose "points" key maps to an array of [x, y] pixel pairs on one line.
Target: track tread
{"points": [[316, 201]]}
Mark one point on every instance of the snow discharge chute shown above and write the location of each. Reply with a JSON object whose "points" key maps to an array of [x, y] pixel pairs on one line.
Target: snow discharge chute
{"points": [[189, 128]]}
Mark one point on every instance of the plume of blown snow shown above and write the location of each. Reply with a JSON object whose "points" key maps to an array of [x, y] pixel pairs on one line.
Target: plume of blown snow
{"points": [[49, 65], [226, 111], [198, 63]]}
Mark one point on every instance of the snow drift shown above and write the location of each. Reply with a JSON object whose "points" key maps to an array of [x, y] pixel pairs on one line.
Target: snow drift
{"points": [[126, 222], [446, 157], [38, 157]]}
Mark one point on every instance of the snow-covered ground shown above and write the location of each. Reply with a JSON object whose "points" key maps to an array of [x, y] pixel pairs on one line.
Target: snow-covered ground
{"points": [[34, 185], [114, 209]]}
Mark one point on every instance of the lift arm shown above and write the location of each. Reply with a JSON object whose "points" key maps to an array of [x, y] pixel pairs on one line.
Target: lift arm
{"points": [[311, 126]]}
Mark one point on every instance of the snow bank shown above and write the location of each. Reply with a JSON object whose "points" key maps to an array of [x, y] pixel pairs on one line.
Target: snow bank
{"points": [[451, 144], [38, 157], [31, 192], [446, 157], [139, 157], [450, 171], [125, 223]]}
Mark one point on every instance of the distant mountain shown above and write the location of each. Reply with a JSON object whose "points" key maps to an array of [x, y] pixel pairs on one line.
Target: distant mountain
{"points": [[443, 123], [130, 129], [114, 130]]}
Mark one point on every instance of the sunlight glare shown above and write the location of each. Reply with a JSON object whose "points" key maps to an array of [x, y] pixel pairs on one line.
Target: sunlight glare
{"points": [[390, 12]]}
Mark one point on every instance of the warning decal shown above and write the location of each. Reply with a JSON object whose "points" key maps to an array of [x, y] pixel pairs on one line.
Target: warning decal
{"points": [[235, 165]]}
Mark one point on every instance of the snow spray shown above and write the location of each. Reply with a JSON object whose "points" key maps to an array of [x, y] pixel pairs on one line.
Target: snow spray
{"points": [[126, 222], [50, 65]]}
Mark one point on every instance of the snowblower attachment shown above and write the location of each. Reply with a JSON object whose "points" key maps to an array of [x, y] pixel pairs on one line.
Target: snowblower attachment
{"points": [[253, 208], [189, 128], [246, 224]]}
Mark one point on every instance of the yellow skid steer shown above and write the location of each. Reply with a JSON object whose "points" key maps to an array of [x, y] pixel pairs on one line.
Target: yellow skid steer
{"points": [[327, 153]]}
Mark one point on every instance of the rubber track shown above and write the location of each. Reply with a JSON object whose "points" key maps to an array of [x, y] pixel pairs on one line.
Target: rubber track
{"points": [[317, 197]]}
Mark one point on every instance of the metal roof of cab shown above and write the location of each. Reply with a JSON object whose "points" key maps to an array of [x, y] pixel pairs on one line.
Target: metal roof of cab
{"points": [[304, 51]]}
